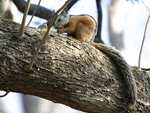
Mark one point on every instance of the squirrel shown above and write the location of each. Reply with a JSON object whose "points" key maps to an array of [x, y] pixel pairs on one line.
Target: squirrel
{"points": [[83, 28]]}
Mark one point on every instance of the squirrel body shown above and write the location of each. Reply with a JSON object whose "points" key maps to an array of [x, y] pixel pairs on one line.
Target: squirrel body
{"points": [[83, 28]]}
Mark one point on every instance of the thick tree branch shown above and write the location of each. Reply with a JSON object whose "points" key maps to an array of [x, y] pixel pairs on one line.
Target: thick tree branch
{"points": [[41, 11], [66, 71]]}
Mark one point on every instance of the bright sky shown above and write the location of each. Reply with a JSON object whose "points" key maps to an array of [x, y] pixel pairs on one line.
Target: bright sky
{"points": [[136, 18]]}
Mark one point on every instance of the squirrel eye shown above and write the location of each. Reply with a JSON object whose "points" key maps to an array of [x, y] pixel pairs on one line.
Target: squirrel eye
{"points": [[59, 20]]}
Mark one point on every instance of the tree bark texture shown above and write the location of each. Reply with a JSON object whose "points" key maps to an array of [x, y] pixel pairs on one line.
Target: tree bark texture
{"points": [[66, 71]]}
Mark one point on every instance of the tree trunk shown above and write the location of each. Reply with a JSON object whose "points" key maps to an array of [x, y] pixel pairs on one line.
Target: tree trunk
{"points": [[66, 71], [116, 12]]}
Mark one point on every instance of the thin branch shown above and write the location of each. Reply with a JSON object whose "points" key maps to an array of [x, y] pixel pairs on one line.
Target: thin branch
{"points": [[146, 69], [5, 94], [70, 4], [24, 19], [40, 45], [98, 38], [34, 12], [143, 42], [41, 12]]}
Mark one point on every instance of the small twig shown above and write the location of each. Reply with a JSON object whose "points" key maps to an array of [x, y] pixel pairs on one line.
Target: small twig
{"points": [[24, 19], [5, 93], [40, 45], [70, 4], [143, 41], [34, 12]]}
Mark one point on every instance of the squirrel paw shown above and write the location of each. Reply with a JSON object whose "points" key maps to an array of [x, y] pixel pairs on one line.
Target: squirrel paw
{"points": [[59, 31]]}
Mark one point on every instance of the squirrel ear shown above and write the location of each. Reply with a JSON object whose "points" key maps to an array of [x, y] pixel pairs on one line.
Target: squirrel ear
{"points": [[64, 13], [66, 9]]}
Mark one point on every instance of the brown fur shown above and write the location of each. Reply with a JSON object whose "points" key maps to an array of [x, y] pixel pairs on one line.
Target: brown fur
{"points": [[80, 28]]}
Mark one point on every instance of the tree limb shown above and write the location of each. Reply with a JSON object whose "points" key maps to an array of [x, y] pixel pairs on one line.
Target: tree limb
{"points": [[66, 71], [24, 19], [41, 11], [98, 37]]}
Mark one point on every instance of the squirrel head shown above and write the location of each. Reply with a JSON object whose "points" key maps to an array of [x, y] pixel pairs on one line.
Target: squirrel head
{"points": [[62, 20]]}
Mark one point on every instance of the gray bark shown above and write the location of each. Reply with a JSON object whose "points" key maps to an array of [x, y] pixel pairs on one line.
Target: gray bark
{"points": [[66, 71]]}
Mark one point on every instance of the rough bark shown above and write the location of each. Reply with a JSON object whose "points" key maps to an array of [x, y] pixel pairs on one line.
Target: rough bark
{"points": [[66, 71]]}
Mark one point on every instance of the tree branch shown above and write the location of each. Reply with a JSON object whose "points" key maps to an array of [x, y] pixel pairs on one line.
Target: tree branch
{"points": [[66, 71], [24, 19], [70, 4], [34, 12], [41, 11], [98, 37]]}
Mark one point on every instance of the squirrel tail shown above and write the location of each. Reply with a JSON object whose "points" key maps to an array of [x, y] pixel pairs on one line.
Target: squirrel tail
{"points": [[124, 68]]}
